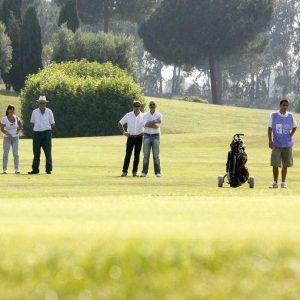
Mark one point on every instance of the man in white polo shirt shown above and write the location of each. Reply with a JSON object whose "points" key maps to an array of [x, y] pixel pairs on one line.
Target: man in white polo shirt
{"points": [[42, 122], [134, 134], [152, 121]]}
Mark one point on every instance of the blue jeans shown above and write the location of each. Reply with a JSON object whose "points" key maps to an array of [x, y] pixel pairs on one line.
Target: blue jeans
{"points": [[151, 141], [14, 143]]}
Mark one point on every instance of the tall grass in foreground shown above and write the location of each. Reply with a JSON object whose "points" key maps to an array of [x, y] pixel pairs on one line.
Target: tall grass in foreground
{"points": [[151, 269]]}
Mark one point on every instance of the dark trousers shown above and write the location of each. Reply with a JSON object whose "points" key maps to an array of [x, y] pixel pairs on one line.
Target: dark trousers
{"points": [[42, 139], [136, 143]]}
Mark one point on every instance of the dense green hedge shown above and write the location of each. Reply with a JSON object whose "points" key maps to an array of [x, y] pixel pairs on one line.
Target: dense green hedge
{"points": [[87, 99]]}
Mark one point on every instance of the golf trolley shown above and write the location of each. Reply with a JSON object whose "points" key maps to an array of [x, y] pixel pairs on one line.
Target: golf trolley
{"points": [[236, 171]]}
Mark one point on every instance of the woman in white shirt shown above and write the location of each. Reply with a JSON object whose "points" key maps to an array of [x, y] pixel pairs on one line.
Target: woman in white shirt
{"points": [[10, 126]]}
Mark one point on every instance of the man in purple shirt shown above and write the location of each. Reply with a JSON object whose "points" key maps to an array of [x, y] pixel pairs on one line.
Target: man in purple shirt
{"points": [[281, 128]]}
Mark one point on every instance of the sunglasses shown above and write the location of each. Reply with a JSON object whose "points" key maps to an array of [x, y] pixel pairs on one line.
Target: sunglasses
{"points": [[136, 106], [151, 104]]}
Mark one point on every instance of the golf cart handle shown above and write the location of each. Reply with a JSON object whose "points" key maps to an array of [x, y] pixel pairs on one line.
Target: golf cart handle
{"points": [[238, 135]]}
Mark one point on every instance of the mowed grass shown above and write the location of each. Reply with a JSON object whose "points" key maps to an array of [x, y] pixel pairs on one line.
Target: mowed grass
{"points": [[86, 233]]}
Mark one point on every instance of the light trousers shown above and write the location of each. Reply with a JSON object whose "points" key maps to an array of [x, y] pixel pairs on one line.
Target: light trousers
{"points": [[14, 143]]}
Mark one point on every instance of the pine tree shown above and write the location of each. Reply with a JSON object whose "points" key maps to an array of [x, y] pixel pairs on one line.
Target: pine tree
{"points": [[9, 6], [91, 11], [190, 32], [31, 43], [14, 77], [68, 14], [5, 50], [11, 17]]}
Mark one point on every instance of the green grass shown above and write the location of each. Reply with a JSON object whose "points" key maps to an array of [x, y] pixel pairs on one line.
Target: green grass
{"points": [[86, 233], [7, 98]]}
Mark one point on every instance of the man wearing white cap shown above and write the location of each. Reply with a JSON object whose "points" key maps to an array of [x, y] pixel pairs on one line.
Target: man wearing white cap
{"points": [[42, 122]]}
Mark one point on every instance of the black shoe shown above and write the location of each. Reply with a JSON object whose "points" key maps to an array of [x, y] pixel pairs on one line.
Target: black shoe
{"points": [[33, 172], [48, 172]]}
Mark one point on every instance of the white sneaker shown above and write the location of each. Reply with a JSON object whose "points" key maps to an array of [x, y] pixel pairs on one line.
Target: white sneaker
{"points": [[158, 175], [283, 185], [274, 185], [4, 172], [143, 175], [17, 172]]}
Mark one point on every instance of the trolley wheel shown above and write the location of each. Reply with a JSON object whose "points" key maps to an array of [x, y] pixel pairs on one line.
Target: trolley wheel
{"points": [[251, 182], [220, 181]]}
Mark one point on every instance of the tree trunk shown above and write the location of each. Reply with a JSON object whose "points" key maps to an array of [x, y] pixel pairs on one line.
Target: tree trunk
{"points": [[174, 81], [252, 87], [219, 81], [178, 80], [160, 83], [106, 16], [216, 81], [269, 80], [285, 82], [257, 86], [208, 84]]}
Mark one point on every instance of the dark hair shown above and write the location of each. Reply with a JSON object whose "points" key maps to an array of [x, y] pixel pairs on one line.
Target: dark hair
{"points": [[284, 100], [9, 107]]}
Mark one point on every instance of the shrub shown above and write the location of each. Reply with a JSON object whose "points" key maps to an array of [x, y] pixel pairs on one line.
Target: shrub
{"points": [[194, 99], [87, 99], [100, 47]]}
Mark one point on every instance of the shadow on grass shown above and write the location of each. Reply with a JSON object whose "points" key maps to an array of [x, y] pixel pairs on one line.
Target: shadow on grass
{"points": [[26, 174]]}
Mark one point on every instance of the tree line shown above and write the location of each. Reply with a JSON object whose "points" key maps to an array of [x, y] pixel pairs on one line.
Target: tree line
{"points": [[265, 70], [25, 42], [237, 52], [22, 41]]}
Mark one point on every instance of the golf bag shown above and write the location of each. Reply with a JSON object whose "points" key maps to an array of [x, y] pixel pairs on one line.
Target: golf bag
{"points": [[236, 171]]}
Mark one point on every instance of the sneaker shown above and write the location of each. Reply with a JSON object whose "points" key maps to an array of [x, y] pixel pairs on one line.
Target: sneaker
{"points": [[143, 175], [274, 185], [283, 185], [124, 174], [158, 175], [5, 172], [48, 172], [134, 174], [17, 172]]}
